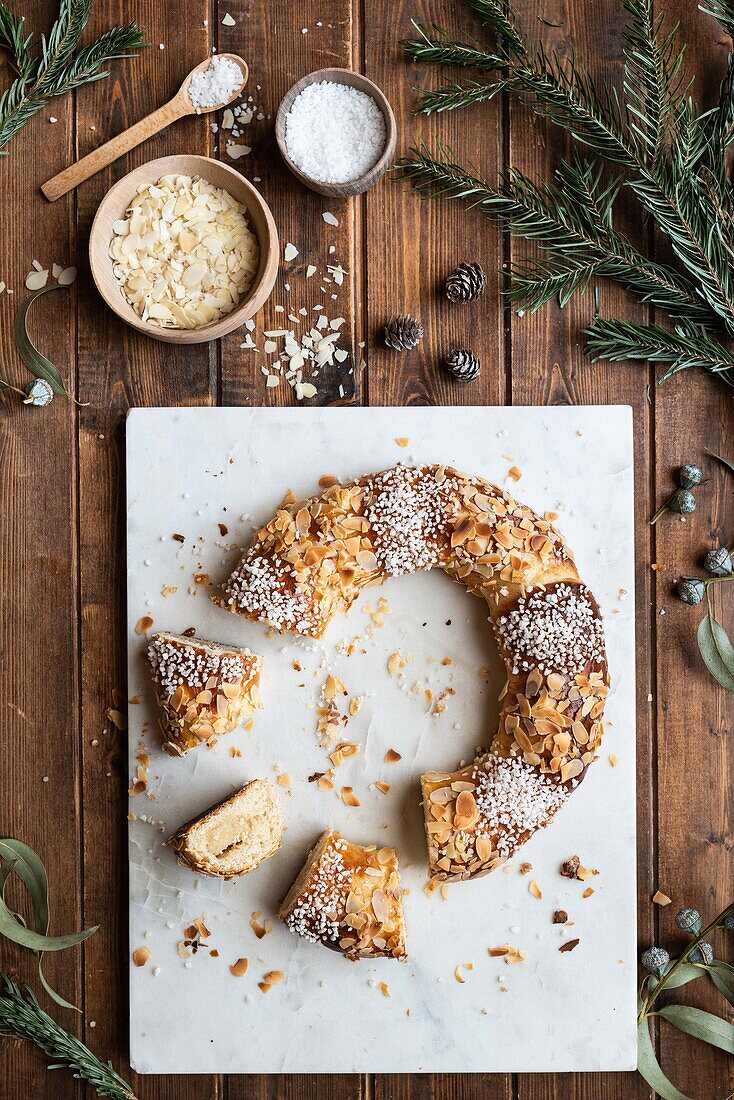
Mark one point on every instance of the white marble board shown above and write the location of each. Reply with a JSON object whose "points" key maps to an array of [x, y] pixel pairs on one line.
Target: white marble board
{"points": [[191, 469]]}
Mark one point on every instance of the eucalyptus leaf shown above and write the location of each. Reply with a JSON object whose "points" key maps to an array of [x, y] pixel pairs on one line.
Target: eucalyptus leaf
{"points": [[649, 1067], [13, 930], [34, 360], [722, 975], [724, 461], [30, 870], [52, 992], [701, 1025], [686, 972], [717, 651]]}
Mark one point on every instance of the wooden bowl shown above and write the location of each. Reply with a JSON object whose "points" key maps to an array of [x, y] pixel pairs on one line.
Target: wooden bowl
{"points": [[115, 203], [362, 84]]}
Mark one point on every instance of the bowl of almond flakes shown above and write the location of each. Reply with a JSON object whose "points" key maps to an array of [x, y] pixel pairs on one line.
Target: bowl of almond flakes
{"points": [[184, 249]]}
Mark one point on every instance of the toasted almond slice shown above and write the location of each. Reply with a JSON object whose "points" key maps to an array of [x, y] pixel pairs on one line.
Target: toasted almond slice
{"points": [[239, 968], [392, 756], [535, 889], [141, 956], [659, 898]]}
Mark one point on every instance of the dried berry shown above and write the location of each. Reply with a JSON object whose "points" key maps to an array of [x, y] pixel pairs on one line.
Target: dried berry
{"points": [[703, 953], [683, 502], [689, 477], [691, 590], [654, 959], [718, 562], [689, 920], [570, 866]]}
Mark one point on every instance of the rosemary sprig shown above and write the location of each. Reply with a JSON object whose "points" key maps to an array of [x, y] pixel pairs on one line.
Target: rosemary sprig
{"points": [[58, 67], [22, 1016], [671, 154]]}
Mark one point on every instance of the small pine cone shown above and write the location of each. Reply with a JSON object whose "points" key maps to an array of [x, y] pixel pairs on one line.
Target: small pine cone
{"points": [[465, 283], [403, 333], [463, 365]]}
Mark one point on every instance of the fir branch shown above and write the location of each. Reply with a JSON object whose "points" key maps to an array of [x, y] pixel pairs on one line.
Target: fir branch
{"points": [[723, 13], [440, 49], [618, 340], [498, 17], [654, 80], [570, 222], [57, 70], [449, 97], [22, 1016]]}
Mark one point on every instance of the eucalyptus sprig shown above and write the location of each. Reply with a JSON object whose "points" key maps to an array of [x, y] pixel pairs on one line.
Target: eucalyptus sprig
{"points": [[662, 146], [59, 65], [22, 1016], [694, 962], [18, 859]]}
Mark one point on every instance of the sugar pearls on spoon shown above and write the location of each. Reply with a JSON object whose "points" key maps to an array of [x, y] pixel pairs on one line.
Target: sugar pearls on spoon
{"points": [[334, 133]]}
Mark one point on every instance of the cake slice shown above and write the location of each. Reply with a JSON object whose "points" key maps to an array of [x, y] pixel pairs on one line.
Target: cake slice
{"points": [[234, 836], [203, 688], [348, 897]]}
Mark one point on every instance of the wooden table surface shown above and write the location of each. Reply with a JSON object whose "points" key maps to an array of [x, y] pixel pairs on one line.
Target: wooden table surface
{"points": [[63, 780]]}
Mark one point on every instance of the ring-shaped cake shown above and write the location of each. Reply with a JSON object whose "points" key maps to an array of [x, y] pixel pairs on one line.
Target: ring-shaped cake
{"points": [[312, 559]]}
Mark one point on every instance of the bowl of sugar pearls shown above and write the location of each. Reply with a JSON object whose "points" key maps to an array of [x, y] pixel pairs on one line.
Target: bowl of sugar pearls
{"points": [[336, 132]]}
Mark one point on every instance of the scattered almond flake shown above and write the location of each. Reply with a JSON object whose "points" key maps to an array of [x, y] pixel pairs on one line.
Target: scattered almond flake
{"points": [[560, 916], [402, 441], [233, 751], [273, 977], [143, 624], [229, 21], [272, 381], [525, 868], [308, 390], [340, 355], [67, 276], [535, 889], [583, 873], [337, 273], [613, 759], [117, 718], [659, 898], [384, 989], [509, 953], [590, 890], [289, 253], [392, 756], [259, 929], [228, 119], [201, 928], [56, 270], [37, 265], [235, 150], [329, 218], [459, 976], [310, 271], [569, 945], [285, 779], [141, 956], [35, 280], [169, 589], [515, 473], [348, 797], [270, 346]]}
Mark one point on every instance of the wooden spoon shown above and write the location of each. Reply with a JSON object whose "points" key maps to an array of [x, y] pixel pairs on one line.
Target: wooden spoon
{"points": [[170, 112]]}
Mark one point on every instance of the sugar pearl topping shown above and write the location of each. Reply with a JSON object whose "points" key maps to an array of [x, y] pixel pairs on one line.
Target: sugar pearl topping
{"points": [[513, 799], [319, 908], [178, 660], [409, 514], [558, 630]]}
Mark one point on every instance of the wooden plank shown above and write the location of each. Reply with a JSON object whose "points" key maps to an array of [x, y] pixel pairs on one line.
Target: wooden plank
{"points": [[549, 366], [413, 243], [695, 865], [119, 369], [38, 639], [278, 54]]}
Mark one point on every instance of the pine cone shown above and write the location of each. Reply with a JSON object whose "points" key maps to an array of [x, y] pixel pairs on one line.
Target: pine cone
{"points": [[403, 333], [463, 365], [465, 283]]}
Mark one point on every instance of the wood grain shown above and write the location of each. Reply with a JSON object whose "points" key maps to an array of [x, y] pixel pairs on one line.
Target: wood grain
{"points": [[62, 567]]}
